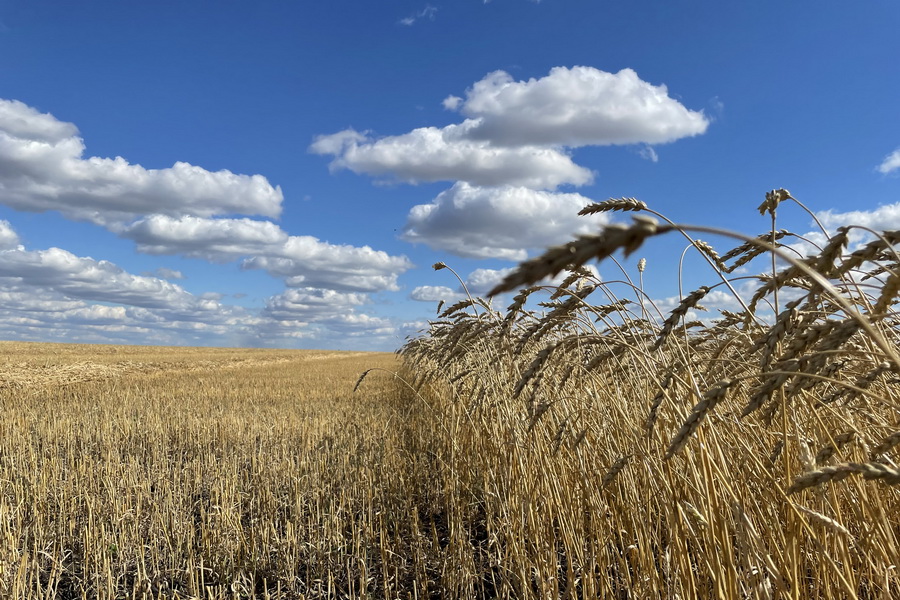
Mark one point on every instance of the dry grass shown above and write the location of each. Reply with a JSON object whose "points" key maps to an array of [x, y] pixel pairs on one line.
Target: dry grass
{"points": [[611, 450], [167, 472], [581, 444]]}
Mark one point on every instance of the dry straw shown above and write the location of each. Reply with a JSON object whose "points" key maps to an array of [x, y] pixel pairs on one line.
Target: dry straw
{"points": [[581, 444], [754, 405]]}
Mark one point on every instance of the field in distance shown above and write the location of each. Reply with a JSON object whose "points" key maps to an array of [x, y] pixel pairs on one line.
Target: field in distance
{"points": [[130, 471], [24, 364]]}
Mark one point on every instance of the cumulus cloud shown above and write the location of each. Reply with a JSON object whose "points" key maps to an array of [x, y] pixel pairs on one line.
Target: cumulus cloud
{"points": [[311, 304], [183, 210], [8, 237], [481, 281], [517, 132], [344, 330], [54, 294], [325, 311], [302, 261], [452, 102], [432, 293], [713, 302], [43, 168], [18, 297], [24, 122], [882, 218], [890, 163], [431, 154], [97, 280], [43, 313], [175, 211], [361, 324], [216, 240], [305, 261], [581, 106], [23, 315], [501, 222]]}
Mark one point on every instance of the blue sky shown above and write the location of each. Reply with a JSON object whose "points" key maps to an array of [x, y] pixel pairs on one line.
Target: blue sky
{"points": [[285, 173]]}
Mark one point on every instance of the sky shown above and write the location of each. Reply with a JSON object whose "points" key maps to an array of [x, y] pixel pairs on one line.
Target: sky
{"points": [[285, 173]]}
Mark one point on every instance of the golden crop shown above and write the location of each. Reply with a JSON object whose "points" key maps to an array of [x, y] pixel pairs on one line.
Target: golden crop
{"points": [[583, 443], [173, 472]]}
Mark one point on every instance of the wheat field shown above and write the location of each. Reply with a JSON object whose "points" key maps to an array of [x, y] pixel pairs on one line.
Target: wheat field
{"points": [[579, 442], [168, 472], [593, 445]]}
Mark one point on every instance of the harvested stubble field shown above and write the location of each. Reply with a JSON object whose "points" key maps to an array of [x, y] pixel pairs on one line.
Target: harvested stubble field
{"points": [[174, 472], [580, 444]]}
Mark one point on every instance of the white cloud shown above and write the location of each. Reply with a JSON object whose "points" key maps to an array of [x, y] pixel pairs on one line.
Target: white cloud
{"points": [[323, 313], [517, 131], [53, 294], [20, 298], [502, 222], [24, 122], [882, 218], [336, 143], [581, 106], [56, 295], [433, 293], [53, 286], [332, 328], [431, 154], [410, 329], [97, 314], [304, 261], [87, 279], [217, 240], [46, 314], [8, 237], [713, 302], [360, 324], [312, 304], [890, 163], [452, 102], [42, 168], [481, 281], [166, 211]]}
